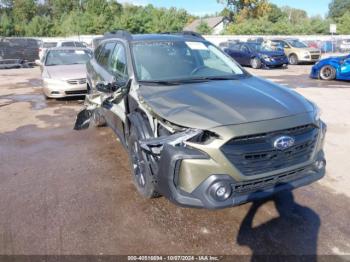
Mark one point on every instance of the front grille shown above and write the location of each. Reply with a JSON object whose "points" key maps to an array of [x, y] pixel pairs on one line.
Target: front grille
{"points": [[255, 154], [76, 92], [80, 81], [315, 56], [268, 182]]}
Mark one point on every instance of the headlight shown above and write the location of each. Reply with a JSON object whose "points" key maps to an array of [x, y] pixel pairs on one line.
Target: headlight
{"points": [[266, 57]]}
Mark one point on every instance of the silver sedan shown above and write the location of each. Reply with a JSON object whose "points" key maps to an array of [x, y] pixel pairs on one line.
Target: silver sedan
{"points": [[64, 72]]}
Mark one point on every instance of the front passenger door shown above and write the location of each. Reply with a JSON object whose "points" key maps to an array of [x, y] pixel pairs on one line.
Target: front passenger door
{"points": [[117, 68]]}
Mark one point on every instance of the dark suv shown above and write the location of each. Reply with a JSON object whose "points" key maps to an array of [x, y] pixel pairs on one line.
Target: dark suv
{"points": [[199, 129]]}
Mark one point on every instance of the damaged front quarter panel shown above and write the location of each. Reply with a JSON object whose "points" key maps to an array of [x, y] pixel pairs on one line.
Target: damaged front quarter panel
{"points": [[155, 145], [104, 96]]}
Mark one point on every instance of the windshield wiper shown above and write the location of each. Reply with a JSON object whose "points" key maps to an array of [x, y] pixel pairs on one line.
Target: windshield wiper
{"points": [[160, 82], [208, 78], [188, 81]]}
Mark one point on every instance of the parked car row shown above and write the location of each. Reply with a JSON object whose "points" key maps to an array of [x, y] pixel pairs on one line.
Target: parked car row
{"points": [[342, 45], [271, 53], [18, 52]]}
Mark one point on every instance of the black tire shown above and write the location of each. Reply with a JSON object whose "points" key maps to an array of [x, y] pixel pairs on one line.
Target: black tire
{"points": [[293, 59], [255, 63], [97, 118], [144, 180], [327, 72]]}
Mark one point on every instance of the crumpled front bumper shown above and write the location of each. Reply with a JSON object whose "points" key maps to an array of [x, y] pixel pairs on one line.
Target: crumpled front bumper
{"points": [[241, 192]]}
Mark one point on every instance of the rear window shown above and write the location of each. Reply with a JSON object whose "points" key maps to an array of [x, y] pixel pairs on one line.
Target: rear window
{"points": [[68, 44], [49, 44], [67, 57], [80, 44]]}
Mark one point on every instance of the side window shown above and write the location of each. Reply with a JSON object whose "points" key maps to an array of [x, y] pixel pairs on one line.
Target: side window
{"points": [[285, 45], [68, 44], [117, 63], [244, 49], [79, 44], [97, 51], [106, 51]]}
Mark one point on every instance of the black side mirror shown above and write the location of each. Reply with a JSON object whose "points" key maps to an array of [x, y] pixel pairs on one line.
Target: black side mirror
{"points": [[83, 120], [106, 87]]}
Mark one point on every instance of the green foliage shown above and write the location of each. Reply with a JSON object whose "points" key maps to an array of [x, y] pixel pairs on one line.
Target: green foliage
{"points": [[203, 28], [72, 17], [24, 10], [6, 25], [39, 26], [337, 8], [245, 9], [344, 24], [275, 14], [281, 21]]}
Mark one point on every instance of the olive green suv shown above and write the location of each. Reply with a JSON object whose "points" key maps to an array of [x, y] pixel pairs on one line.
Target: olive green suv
{"points": [[198, 128], [297, 51]]}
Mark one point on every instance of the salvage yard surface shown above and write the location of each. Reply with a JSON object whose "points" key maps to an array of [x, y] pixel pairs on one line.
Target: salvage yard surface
{"points": [[69, 192]]}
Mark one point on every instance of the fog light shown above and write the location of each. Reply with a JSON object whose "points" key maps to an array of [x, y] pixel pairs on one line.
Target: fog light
{"points": [[220, 191], [320, 164]]}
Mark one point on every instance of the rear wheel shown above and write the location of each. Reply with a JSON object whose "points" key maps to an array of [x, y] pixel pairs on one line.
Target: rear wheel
{"points": [[144, 180], [293, 59], [255, 63], [327, 73]]}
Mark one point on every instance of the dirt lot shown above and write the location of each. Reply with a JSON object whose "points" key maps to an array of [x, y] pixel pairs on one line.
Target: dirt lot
{"points": [[68, 192]]}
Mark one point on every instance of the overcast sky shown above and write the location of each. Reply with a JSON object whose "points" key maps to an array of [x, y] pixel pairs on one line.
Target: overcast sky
{"points": [[201, 7]]}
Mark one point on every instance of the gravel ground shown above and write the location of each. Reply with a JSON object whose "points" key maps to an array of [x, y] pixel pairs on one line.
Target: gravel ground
{"points": [[68, 192]]}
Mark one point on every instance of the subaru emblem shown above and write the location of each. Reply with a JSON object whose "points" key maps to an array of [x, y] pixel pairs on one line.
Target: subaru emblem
{"points": [[283, 142]]}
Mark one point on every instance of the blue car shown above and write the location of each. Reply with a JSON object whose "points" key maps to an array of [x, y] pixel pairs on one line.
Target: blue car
{"points": [[332, 68], [256, 55]]}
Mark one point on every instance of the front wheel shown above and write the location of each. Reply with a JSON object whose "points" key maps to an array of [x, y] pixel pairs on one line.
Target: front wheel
{"points": [[327, 73], [255, 63], [293, 59], [144, 180]]}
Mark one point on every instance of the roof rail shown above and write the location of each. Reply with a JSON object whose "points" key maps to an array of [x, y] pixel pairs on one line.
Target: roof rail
{"points": [[185, 33], [118, 33]]}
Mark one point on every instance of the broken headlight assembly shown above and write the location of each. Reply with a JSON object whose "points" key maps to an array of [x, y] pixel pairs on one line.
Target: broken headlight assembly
{"points": [[154, 146]]}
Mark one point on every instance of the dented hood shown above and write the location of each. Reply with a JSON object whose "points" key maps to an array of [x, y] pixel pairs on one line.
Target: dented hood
{"points": [[216, 103]]}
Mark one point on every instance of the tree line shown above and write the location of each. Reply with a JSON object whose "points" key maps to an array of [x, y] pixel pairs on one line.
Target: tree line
{"points": [[72, 17], [262, 17]]}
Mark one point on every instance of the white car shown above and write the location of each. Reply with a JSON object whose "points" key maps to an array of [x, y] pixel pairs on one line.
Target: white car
{"points": [[45, 45], [64, 71], [345, 45]]}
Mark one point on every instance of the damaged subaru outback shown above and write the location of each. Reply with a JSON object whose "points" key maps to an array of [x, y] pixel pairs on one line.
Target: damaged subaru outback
{"points": [[198, 128]]}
